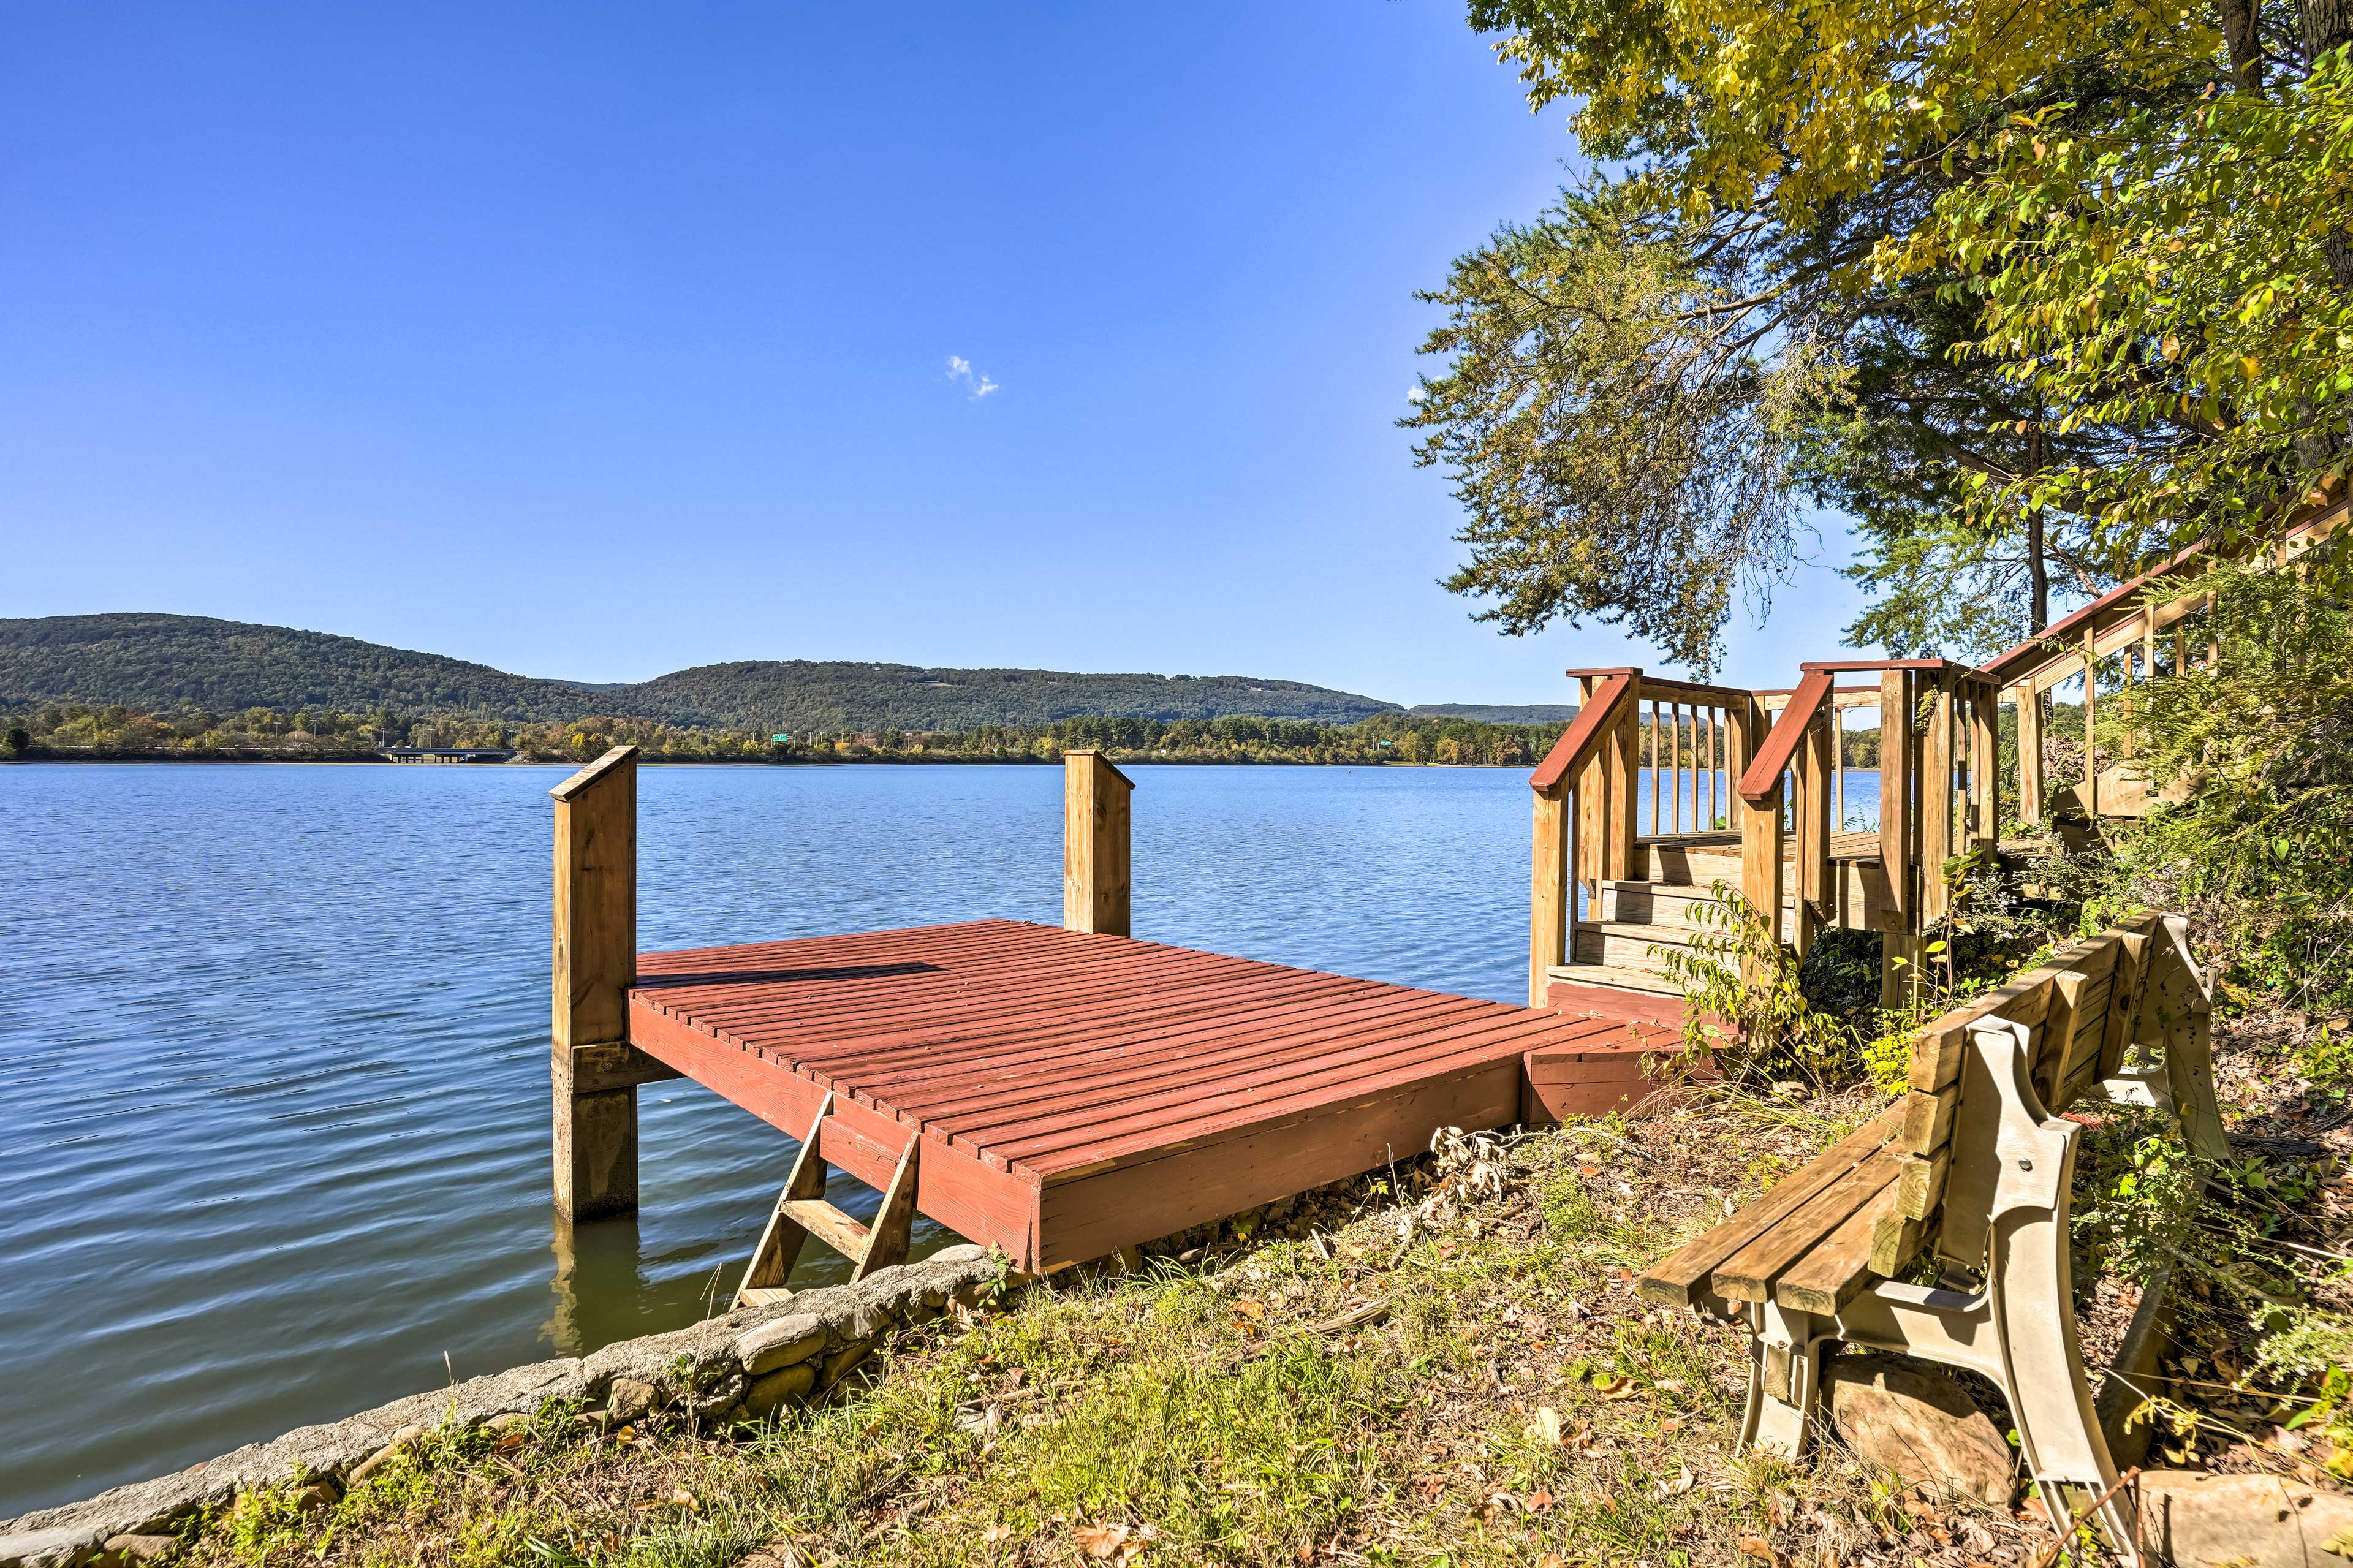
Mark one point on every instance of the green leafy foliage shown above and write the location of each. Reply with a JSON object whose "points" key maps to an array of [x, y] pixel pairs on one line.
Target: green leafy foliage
{"points": [[2259, 851], [1747, 1010], [1620, 447]]}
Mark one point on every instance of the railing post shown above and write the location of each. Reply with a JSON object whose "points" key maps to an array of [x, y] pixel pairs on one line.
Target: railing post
{"points": [[1984, 762], [1622, 853], [2091, 731], [1745, 727], [1590, 782], [1761, 839], [1095, 844], [1552, 896], [595, 1071], [1936, 803], [1900, 953], [1813, 821], [2029, 753]]}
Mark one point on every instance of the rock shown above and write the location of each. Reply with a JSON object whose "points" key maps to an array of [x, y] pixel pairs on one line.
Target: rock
{"points": [[963, 1252], [1920, 1424], [777, 1389], [629, 1400], [513, 1420], [2197, 1518], [43, 1548], [713, 1403], [844, 1359], [312, 1496], [141, 1548], [778, 1343]]}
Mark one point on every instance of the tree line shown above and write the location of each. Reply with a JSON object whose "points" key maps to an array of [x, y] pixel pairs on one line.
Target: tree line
{"points": [[78, 730]]}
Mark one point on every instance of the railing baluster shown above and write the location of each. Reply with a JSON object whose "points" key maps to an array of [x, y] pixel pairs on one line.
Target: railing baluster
{"points": [[1655, 766]]}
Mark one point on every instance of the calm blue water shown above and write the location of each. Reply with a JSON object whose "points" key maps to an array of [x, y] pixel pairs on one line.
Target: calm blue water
{"points": [[273, 1046]]}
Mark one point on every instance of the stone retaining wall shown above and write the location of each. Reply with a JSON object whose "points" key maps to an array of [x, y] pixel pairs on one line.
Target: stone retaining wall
{"points": [[745, 1365]]}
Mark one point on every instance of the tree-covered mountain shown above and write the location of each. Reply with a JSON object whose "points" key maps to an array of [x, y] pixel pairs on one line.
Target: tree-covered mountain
{"points": [[166, 662], [1498, 713], [161, 663], [802, 694]]}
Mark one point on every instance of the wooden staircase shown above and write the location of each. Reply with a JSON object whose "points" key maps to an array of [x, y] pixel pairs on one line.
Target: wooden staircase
{"points": [[803, 1211], [1761, 779], [1640, 923]]}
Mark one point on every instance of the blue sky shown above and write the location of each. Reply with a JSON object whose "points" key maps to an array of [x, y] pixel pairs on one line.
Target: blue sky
{"points": [[600, 341]]}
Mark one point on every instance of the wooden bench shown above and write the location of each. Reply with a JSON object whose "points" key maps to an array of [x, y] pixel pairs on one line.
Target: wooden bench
{"points": [[1972, 1166]]}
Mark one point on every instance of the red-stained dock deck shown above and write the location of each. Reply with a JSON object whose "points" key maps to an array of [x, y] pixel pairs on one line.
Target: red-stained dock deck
{"points": [[1080, 1092]]}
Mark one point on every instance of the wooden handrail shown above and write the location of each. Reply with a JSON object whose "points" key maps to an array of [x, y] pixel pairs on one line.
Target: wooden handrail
{"points": [[1772, 758], [1855, 666], [1592, 722], [1684, 690]]}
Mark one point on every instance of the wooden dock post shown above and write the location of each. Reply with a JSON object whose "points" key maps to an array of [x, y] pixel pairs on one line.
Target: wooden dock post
{"points": [[594, 1068], [1095, 844]]}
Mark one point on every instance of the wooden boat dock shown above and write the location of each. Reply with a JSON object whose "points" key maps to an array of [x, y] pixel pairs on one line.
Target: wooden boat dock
{"points": [[1060, 1093]]}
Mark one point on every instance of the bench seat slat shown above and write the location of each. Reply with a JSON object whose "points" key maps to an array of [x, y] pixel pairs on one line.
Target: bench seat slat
{"points": [[1748, 1275], [1837, 1267], [1678, 1278]]}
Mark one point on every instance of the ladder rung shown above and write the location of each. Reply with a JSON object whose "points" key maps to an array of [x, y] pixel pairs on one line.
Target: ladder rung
{"points": [[763, 1298], [828, 1224]]}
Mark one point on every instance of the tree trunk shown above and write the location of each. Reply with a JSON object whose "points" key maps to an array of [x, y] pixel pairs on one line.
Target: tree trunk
{"points": [[2325, 25], [2037, 568], [2238, 18], [2037, 573]]}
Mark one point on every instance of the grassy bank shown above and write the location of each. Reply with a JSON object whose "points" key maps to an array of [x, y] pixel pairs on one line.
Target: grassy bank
{"points": [[1458, 1375]]}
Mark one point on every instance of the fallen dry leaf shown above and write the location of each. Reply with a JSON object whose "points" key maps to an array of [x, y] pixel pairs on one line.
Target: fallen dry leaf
{"points": [[1545, 1427], [1249, 1307], [1551, 1560], [1539, 1502], [681, 1497], [1101, 1542]]}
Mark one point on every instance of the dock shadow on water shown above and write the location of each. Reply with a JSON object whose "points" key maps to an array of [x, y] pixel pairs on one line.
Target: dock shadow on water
{"points": [[274, 1049]]}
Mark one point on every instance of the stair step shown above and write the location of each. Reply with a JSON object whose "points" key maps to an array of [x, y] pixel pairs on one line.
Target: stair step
{"points": [[1615, 976], [1664, 904], [827, 1224], [1627, 946]]}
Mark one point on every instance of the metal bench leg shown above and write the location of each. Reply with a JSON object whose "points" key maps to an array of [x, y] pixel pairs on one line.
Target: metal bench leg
{"points": [[1784, 1376], [2042, 1366]]}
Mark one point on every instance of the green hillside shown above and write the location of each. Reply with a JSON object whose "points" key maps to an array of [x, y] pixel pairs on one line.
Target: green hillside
{"points": [[799, 694], [166, 662], [1498, 713], [171, 662]]}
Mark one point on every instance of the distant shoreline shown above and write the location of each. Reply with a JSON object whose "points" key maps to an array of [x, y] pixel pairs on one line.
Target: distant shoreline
{"points": [[1139, 759]]}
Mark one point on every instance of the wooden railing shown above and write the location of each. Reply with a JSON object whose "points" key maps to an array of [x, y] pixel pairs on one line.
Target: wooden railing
{"points": [[1692, 738], [1938, 795]]}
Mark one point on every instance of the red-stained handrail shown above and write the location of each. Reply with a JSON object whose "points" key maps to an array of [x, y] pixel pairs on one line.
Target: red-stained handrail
{"points": [[1772, 758], [1592, 722]]}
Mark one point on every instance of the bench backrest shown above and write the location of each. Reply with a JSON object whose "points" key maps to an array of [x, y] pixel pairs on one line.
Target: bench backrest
{"points": [[2083, 1012]]}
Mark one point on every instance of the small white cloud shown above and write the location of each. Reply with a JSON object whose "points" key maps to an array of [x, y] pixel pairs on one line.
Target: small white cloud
{"points": [[1416, 395], [978, 385]]}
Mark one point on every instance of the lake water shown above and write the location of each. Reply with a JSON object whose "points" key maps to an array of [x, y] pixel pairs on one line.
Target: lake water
{"points": [[273, 1046]]}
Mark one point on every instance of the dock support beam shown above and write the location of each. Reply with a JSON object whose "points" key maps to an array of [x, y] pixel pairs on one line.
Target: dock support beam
{"points": [[1095, 844], [595, 1071]]}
